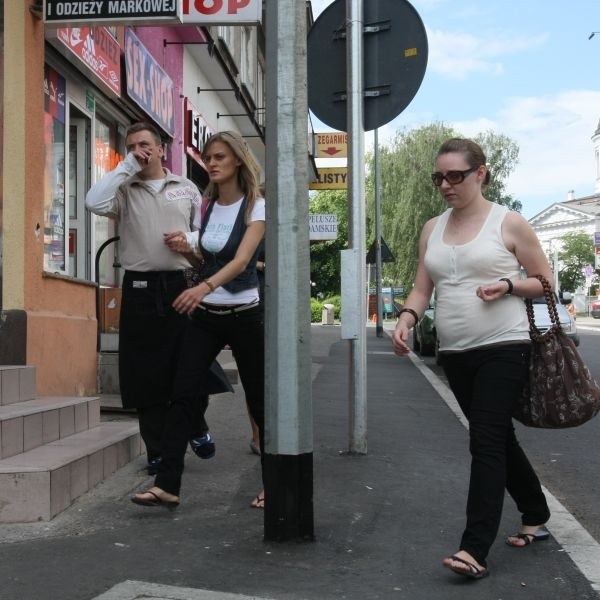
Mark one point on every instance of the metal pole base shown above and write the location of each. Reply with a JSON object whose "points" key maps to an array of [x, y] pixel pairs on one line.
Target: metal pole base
{"points": [[289, 492]]}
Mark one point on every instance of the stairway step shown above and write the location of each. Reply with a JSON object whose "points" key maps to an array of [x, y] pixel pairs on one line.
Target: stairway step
{"points": [[17, 383], [31, 423], [38, 484]]}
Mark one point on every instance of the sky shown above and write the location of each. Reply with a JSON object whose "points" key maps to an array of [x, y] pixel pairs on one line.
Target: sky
{"points": [[523, 68]]}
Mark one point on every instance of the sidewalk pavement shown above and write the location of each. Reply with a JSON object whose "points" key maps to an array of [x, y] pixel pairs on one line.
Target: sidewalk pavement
{"points": [[383, 521]]}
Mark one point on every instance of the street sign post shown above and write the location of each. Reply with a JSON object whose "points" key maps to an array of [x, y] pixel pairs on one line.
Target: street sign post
{"points": [[366, 61], [395, 56]]}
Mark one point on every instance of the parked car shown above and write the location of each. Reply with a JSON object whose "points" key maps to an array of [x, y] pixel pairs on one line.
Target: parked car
{"points": [[542, 318], [595, 306], [424, 335]]}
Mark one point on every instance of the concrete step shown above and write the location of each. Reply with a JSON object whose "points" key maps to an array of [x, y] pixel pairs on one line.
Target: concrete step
{"points": [[38, 484], [17, 383], [31, 423]]}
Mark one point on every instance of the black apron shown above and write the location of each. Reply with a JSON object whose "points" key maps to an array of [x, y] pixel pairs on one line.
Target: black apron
{"points": [[150, 335]]}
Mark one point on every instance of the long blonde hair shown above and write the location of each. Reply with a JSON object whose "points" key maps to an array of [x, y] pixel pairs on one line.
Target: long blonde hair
{"points": [[248, 171]]}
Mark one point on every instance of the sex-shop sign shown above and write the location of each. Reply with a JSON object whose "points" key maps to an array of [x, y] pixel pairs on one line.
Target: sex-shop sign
{"points": [[147, 84]]}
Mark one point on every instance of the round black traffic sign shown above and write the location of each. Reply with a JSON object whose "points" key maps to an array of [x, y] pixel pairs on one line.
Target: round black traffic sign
{"points": [[395, 58]]}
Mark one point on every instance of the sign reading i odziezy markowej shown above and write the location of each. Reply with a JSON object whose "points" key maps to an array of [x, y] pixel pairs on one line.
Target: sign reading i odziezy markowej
{"points": [[147, 84], [103, 11], [215, 12]]}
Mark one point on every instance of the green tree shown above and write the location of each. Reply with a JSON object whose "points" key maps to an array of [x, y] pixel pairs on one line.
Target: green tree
{"points": [[325, 256], [577, 252], [409, 199]]}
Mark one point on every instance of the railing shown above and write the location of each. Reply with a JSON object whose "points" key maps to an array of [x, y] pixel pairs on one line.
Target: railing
{"points": [[97, 279]]}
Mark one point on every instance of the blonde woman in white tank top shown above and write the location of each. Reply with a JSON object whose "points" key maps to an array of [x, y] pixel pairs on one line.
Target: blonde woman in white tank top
{"points": [[473, 255]]}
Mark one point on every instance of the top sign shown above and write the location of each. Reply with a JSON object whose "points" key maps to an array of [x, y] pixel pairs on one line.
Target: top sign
{"points": [[125, 12], [221, 12]]}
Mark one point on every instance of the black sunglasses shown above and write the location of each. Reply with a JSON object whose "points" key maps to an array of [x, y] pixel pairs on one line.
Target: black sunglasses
{"points": [[452, 177]]}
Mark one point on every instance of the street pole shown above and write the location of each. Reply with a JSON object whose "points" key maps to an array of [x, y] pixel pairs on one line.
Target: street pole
{"points": [[288, 459], [379, 326], [356, 222]]}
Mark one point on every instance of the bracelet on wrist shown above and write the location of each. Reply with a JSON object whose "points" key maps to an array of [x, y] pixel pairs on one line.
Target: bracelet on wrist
{"points": [[411, 312], [209, 284], [510, 285]]}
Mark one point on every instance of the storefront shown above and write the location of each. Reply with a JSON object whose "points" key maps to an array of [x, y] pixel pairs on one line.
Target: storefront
{"points": [[70, 104], [69, 95]]}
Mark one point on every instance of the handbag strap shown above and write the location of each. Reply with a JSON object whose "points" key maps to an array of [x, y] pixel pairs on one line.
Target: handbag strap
{"points": [[534, 332]]}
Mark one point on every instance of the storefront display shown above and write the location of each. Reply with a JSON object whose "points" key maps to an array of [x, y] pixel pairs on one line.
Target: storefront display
{"points": [[54, 190]]}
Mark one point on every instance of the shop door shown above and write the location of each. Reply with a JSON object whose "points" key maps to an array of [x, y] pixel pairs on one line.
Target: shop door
{"points": [[80, 259]]}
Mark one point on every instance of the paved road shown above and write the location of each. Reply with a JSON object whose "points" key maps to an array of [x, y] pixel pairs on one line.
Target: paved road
{"points": [[383, 521]]}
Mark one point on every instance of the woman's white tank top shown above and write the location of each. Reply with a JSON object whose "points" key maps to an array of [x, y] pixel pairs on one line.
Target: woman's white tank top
{"points": [[463, 321]]}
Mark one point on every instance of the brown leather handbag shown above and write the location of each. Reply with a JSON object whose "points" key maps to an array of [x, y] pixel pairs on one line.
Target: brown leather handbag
{"points": [[561, 391]]}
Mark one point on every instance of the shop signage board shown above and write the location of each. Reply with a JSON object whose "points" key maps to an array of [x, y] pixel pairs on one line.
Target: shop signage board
{"points": [[101, 12], [331, 178], [221, 12], [152, 12], [322, 227], [331, 144], [147, 84], [98, 50], [196, 131]]}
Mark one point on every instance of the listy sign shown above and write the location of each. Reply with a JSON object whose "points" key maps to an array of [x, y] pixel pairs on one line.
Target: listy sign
{"points": [[330, 179]]}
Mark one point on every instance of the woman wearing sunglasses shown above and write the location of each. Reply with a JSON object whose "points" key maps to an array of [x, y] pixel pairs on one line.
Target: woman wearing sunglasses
{"points": [[475, 254]]}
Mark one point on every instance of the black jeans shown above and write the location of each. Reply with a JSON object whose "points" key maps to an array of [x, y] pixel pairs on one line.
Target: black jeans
{"points": [[205, 336], [486, 383]]}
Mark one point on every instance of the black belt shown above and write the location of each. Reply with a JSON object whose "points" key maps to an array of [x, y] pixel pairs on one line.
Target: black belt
{"points": [[226, 309]]}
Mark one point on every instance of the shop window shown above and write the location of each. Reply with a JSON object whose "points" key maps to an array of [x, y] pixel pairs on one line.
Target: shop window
{"points": [[107, 156], [54, 188], [78, 183]]}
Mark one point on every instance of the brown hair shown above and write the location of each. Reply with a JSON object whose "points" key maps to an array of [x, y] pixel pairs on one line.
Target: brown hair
{"points": [[472, 152], [248, 171], [145, 126]]}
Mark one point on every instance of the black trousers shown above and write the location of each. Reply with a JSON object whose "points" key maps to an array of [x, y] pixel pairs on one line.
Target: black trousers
{"points": [[204, 337], [486, 383]]}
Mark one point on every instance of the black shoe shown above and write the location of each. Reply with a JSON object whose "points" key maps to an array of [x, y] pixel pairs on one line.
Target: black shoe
{"points": [[152, 467], [203, 446]]}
